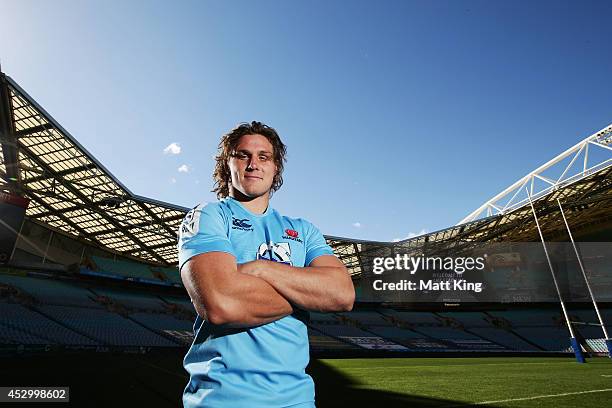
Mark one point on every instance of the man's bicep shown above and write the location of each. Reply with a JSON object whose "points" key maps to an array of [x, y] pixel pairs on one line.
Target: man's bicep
{"points": [[315, 244], [327, 260], [207, 278], [203, 230]]}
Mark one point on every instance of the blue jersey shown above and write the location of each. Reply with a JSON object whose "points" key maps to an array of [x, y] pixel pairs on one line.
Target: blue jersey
{"points": [[263, 366]]}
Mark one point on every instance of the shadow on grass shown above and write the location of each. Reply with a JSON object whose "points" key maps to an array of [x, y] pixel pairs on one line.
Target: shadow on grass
{"points": [[157, 380], [100, 379], [336, 389]]}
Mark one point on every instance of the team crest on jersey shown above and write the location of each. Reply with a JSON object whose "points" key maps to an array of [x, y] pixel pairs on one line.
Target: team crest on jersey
{"points": [[275, 252], [191, 222], [292, 235]]}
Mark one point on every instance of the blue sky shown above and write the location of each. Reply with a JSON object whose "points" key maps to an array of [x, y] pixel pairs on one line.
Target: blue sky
{"points": [[399, 116]]}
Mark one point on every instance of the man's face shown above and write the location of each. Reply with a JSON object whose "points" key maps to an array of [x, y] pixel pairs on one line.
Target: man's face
{"points": [[252, 166]]}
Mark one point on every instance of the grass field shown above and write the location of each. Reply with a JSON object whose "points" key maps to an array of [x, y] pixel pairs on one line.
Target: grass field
{"points": [[460, 382], [157, 380]]}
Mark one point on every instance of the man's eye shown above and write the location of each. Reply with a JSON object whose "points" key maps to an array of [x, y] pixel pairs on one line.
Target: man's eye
{"points": [[241, 156], [264, 158]]}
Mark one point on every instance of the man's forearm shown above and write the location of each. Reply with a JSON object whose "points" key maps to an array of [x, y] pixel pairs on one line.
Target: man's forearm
{"points": [[252, 302], [231, 298], [316, 288]]}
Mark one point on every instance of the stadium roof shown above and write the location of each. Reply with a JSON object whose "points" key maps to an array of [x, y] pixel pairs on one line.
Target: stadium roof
{"points": [[579, 178], [72, 193], [587, 203], [573, 164]]}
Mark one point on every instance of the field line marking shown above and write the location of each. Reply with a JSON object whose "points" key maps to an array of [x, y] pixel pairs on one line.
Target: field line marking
{"points": [[529, 398], [606, 375]]}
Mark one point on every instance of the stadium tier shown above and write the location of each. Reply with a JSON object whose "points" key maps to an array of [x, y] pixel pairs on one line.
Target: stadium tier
{"points": [[41, 310], [51, 291], [134, 300], [44, 330], [17, 337], [505, 338], [109, 328], [122, 268], [413, 317], [471, 319], [529, 317]]}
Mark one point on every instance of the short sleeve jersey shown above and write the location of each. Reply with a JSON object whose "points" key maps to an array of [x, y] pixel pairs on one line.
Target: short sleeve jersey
{"points": [[262, 366]]}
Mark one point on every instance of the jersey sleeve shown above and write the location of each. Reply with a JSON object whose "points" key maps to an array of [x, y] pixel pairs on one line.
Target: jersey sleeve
{"points": [[315, 243], [203, 230]]}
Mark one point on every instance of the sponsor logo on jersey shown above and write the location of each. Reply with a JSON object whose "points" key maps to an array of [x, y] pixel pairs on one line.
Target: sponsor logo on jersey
{"points": [[241, 224], [292, 235], [280, 252]]}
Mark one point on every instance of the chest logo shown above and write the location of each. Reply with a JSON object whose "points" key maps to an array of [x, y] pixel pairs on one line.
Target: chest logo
{"points": [[275, 252], [292, 235], [241, 224]]}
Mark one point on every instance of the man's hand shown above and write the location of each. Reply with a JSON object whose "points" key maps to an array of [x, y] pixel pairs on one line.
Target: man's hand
{"points": [[324, 286]]}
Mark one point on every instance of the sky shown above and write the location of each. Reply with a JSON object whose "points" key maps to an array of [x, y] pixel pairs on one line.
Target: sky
{"points": [[400, 117]]}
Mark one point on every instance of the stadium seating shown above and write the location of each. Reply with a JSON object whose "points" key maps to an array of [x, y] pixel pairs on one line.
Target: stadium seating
{"points": [[123, 268], [323, 317], [38, 326], [397, 335], [503, 337], [133, 300], [321, 342], [51, 291], [548, 338], [41, 310], [589, 332], [107, 327], [9, 335], [161, 322], [394, 332], [366, 318], [184, 303], [532, 317], [445, 333], [171, 274], [339, 330], [597, 345], [468, 319], [412, 317]]}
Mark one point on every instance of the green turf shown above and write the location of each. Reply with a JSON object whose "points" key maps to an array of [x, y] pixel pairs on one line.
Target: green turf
{"points": [[447, 382]]}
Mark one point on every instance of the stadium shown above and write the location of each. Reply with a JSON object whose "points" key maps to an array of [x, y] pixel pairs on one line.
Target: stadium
{"points": [[90, 295]]}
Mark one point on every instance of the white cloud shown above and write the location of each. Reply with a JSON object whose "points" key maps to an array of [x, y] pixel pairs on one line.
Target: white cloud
{"points": [[357, 224], [411, 235], [172, 148], [173, 180], [183, 169]]}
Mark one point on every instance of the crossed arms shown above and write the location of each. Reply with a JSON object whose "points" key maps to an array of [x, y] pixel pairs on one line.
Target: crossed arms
{"points": [[261, 291]]}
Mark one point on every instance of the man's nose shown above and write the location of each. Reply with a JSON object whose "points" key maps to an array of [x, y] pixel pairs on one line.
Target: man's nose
{"points": [[253, 164]]}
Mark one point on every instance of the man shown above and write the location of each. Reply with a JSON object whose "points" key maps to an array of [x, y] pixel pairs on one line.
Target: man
{"points": [[252, 274]]}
